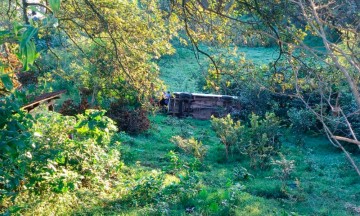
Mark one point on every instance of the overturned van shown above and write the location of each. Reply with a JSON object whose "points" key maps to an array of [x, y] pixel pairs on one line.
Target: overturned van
{"points": [[200, 106]]}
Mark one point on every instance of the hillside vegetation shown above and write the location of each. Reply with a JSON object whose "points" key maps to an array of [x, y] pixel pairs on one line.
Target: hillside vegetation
{"points": [[84, 128], [183, 72]]}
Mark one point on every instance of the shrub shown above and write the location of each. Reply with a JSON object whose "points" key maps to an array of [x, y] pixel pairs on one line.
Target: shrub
{"points": [[261, 140], [69, 108], [283, 168], [178, 164], [253, 99], [241, 173], [301, 120], [60, 154], [227, 130], [95, 125], [147, 189], [190, 146], [132, 121], [175, 162]]}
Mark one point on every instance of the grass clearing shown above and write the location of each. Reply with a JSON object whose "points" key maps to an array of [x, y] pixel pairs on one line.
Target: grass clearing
{"points": [[160, 178], [323, 182], [183, 72]]}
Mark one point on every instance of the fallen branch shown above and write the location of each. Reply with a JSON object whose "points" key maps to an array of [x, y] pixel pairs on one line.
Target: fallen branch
{"points": [[346, 140]]}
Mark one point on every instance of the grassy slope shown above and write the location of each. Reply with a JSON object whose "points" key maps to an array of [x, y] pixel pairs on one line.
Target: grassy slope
{"points": [[182, 72], [323, 182]]}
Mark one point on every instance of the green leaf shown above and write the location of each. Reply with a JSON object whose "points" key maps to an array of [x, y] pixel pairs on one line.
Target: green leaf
{"points": [[54, 5], [4, 35], [92, 125], [6, 80], [27, 47]]}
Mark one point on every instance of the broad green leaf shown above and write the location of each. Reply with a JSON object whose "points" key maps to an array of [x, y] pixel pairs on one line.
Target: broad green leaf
{"points": [[27, 47], [54, 5], [92, 125], [6, 80]]}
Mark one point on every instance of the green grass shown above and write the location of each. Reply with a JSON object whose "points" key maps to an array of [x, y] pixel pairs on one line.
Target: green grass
{"points": [[323, 182], [183, 72]]}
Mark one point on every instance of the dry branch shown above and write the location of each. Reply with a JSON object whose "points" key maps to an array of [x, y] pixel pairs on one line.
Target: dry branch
{"points": [[346, 140]]}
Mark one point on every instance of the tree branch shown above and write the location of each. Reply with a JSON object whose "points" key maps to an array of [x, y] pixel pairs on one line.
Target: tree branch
{"points": [[40, 5], [346, 140]]}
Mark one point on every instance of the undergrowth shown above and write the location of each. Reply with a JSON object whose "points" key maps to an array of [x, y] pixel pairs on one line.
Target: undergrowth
{"points": [[159, 177], [291, 185]]}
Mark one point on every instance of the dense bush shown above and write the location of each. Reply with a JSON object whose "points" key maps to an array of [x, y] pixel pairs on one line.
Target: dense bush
{"points": [[58, 154], [131, 120], [252, 100], [70, 108], [302, 120], [146, 189]]}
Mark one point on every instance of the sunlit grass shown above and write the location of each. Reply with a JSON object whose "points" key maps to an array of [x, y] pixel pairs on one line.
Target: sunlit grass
{"points": [[184, 72]]}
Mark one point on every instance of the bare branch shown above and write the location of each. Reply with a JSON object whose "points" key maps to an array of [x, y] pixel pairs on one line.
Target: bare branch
{"points": [[346, 139]]}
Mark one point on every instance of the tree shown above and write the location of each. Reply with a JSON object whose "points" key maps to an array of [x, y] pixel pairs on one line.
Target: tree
{"points": [[330, 73], [116, 42]]}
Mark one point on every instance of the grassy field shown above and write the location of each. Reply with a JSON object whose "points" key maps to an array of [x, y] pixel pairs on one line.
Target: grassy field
{"points": [[183, 72], [156, 177], [323, 182]]}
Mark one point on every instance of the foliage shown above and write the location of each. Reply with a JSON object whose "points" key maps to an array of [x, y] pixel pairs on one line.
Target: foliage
{"points": [[147, 189], [214, 190], [113, 60], [128, 119], [261, 140], [132, 35], [241, 173], [60, 154], [302, 120], [178, 163], [190, 146], [283, 168], [228, 131], [70, 108]]}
